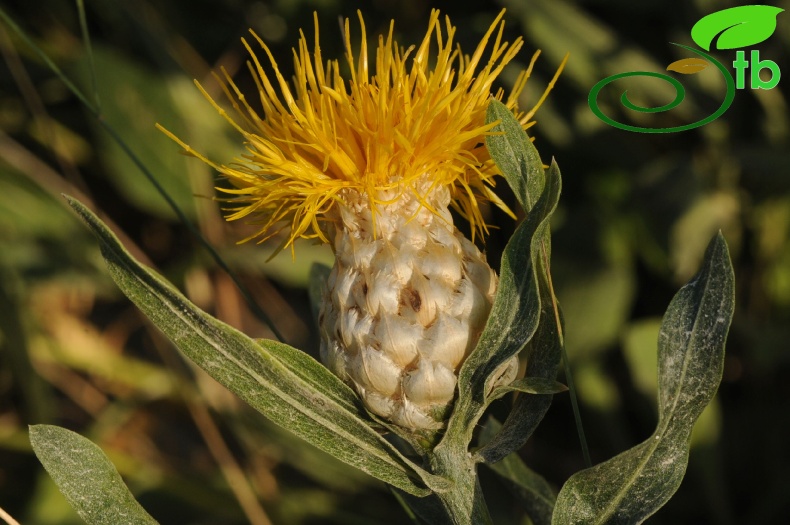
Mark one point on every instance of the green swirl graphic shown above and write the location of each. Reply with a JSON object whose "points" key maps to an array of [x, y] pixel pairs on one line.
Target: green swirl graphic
{"points": [[680, 92]]}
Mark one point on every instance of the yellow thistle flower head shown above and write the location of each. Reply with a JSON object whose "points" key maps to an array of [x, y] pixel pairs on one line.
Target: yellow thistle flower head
{"points": [[371, 164], [409, 124]]}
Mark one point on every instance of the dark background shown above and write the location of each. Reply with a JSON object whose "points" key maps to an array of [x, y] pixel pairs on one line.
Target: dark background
{"points": [[636, 214]]}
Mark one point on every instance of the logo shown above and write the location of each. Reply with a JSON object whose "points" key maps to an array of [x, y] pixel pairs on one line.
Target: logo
{"points": [[732, 28]]}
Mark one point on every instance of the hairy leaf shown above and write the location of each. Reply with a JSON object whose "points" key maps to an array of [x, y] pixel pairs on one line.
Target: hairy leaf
{"points": [[542, 353], [630, 487], [287, 386], [543, 360], [514, 316], [514, 155], [87, 479]]}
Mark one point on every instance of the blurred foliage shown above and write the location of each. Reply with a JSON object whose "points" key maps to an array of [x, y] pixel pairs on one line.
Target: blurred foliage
{"points": [[636, 215]]}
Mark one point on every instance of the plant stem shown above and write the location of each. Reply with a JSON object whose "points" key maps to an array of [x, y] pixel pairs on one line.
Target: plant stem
{"points": [[464, 501]]}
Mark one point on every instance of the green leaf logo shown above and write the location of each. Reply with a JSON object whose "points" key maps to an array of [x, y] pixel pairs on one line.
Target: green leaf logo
{"points": [[736, 27]]}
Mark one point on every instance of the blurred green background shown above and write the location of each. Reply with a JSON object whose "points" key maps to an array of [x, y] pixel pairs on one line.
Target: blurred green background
{"points": [[636, 214]]}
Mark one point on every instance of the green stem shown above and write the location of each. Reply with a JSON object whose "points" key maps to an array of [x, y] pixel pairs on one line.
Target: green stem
{"points": [[464, 501]]}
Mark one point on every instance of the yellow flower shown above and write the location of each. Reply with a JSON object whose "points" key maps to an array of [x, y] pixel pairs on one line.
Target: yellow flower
{"points": [[414, 123], [371, 165]]}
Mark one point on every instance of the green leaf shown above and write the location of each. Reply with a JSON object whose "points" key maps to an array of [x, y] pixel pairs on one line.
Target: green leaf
{"points": [[530, 385], [314, 374], [283, 384], [87, 479], [528, 410], [597, 297], [630, 487], [514, 316], [530, 488], [542, 353], [511, 324], [515, 155], [741, 26]]}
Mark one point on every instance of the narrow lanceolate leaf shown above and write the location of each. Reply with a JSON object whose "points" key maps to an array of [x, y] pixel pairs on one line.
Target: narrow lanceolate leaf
{"points": [[86, 478], [630, 487], [532, 491], [542, 353], [278, 381], [516, 310], [315, 375], [543, 357], [514, 155]]}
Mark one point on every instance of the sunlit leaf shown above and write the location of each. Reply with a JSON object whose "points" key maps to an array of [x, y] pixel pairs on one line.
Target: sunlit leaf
{"points": [[86, 478], [515, 156], [639, 352], [736, 27], [514, 316], [523, 315], [630, 487], [282, 383], [542, 354], [596, 303]]}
